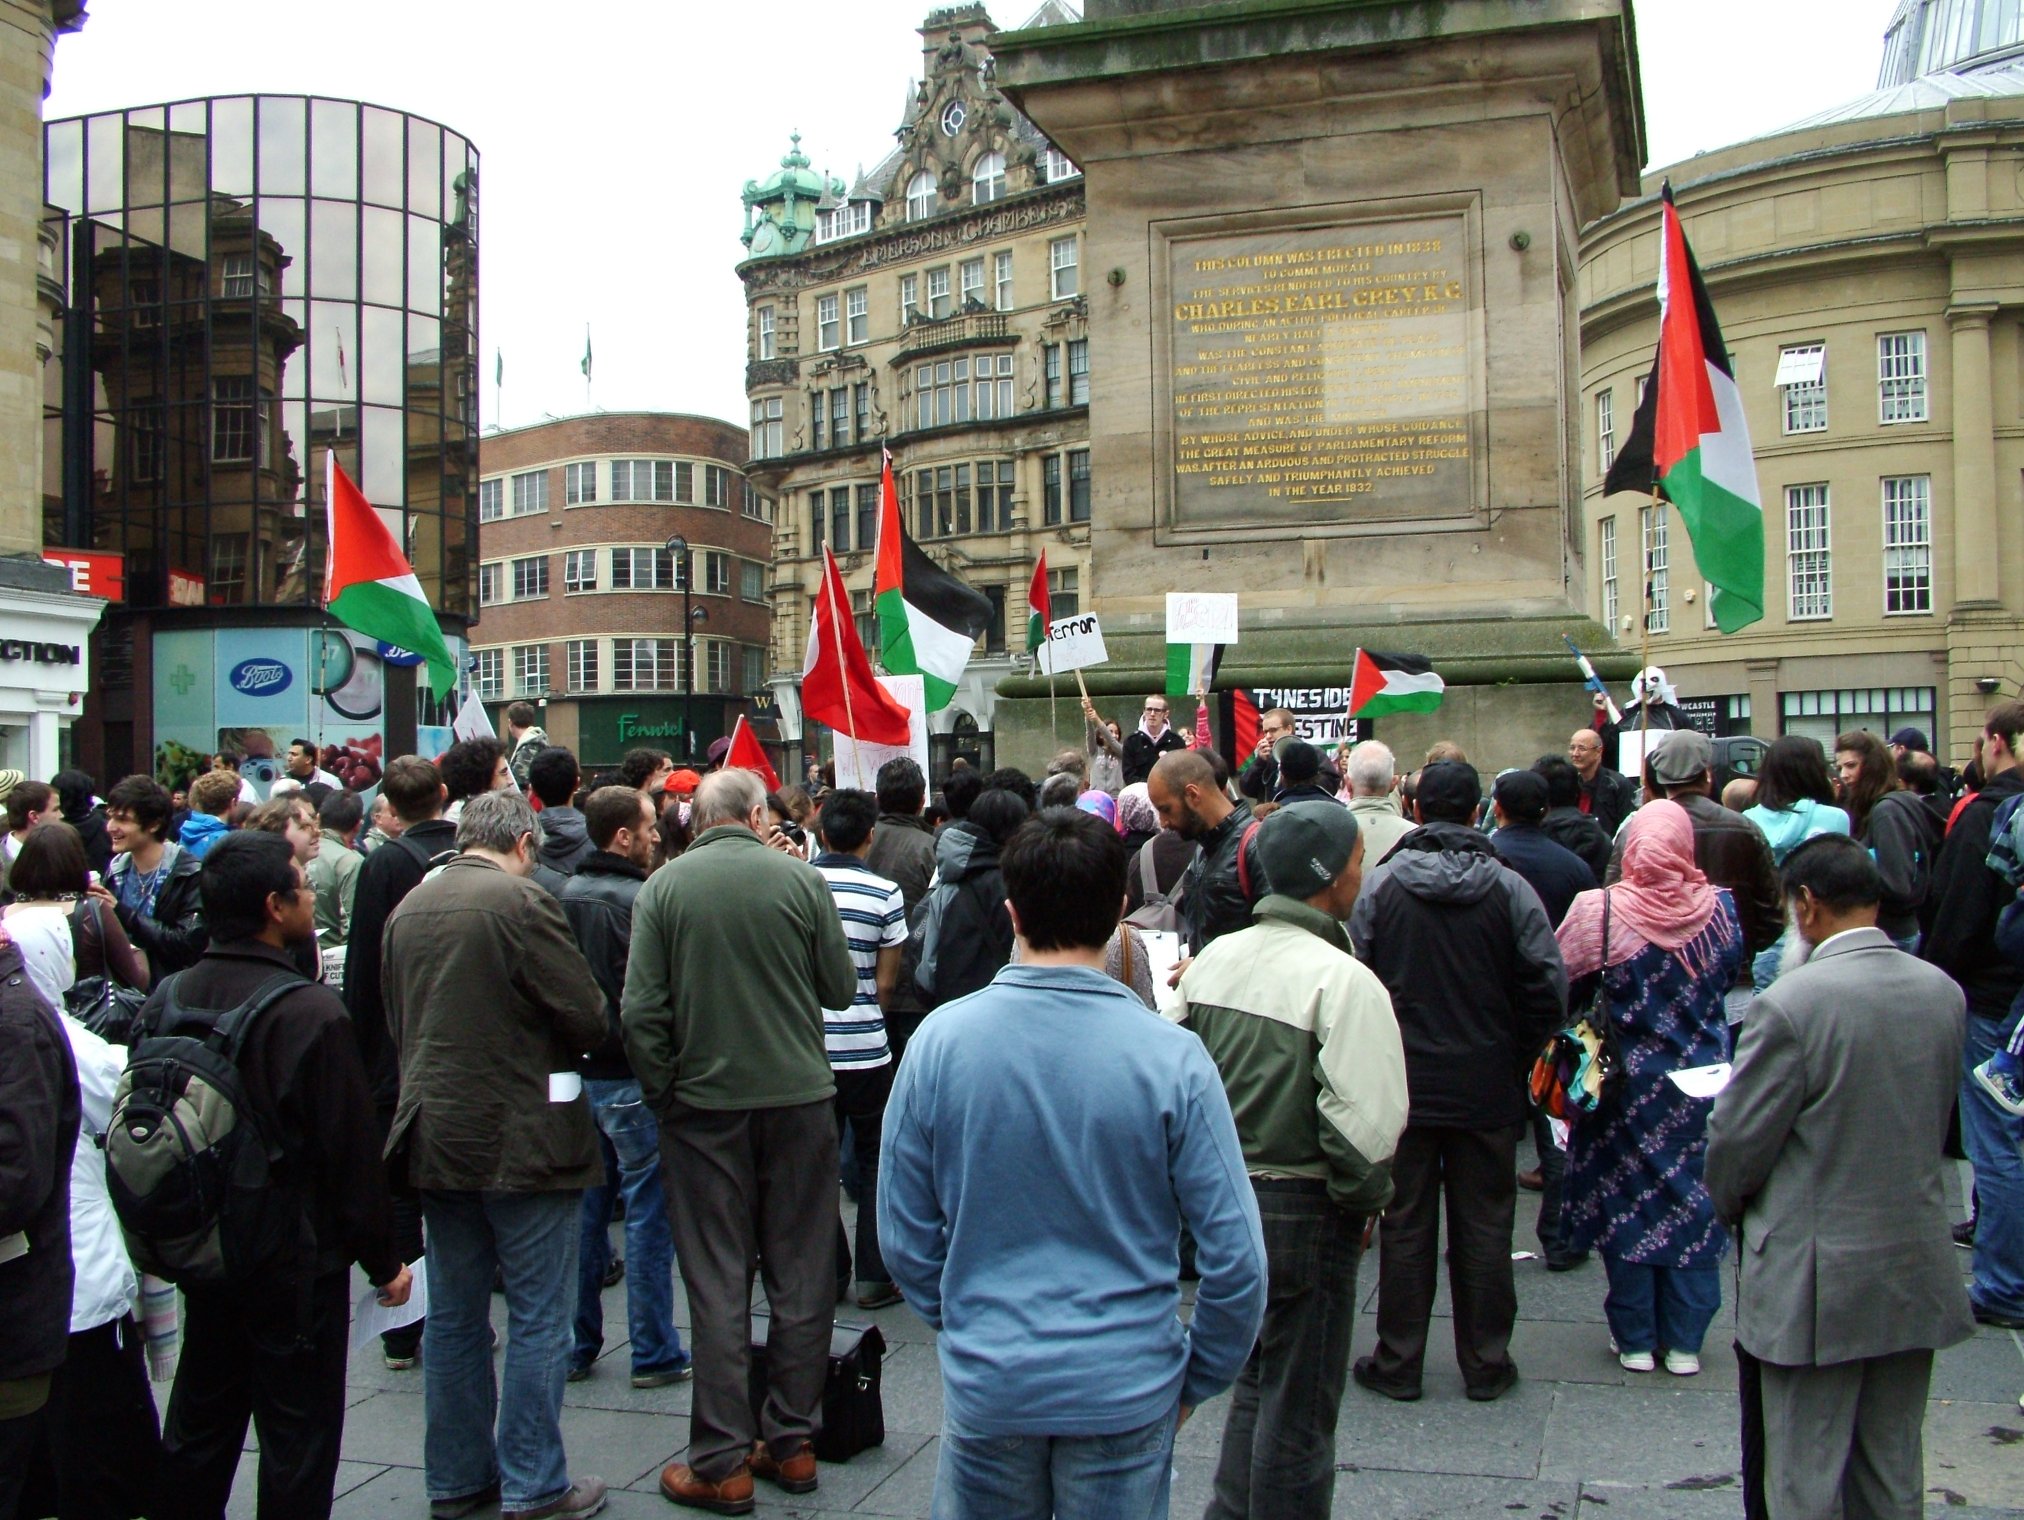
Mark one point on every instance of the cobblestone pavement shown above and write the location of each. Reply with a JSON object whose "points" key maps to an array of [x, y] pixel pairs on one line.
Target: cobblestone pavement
{"points": [[1578, 1437]]}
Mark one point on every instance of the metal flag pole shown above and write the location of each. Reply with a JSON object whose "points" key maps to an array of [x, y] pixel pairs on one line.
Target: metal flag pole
{"points": [[1641, 688]]}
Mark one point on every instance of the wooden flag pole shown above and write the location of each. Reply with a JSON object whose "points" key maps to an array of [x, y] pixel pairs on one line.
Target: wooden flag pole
{"points": [[842, 669]]}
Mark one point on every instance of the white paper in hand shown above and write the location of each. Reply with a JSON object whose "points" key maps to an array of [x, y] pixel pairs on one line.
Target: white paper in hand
{"points": [[1163, 953], [370, 1319], [1701, 1081]]}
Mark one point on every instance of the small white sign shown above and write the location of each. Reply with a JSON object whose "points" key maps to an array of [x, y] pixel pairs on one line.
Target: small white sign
{"points": [[858, 760], [1073, 643], [1201, 617]]}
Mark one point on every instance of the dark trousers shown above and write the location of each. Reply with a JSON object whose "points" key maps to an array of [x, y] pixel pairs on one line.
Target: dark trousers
{"points": [[1278, 1460], [20, 1438], [1477, 1171], [746, 1187], [103, 1443], [1552, 1181], [257, 1355], [407, 1222], [861, 1103], [1750, 1393]]}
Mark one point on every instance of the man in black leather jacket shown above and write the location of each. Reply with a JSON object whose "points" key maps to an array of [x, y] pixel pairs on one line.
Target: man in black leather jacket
{"points": [[153, 882], [1213, 899]]}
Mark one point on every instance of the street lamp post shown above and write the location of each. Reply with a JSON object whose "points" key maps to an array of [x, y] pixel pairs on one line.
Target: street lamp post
{"points": [[679, 547]]}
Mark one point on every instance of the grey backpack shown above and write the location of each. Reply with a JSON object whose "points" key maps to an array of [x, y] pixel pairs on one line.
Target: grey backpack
{"points": [[1157, 913]]}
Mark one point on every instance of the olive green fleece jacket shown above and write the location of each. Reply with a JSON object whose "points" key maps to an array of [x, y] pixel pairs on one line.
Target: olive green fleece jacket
{"points": [[736, 950], [1304, 1036]]}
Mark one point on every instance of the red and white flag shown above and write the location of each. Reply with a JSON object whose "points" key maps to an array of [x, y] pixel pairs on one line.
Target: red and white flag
{"points": [[748, 754], [837, 687]]}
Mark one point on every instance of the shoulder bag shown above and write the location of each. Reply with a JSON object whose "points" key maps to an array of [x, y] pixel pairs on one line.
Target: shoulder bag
{"points": [[1580, 1068]]}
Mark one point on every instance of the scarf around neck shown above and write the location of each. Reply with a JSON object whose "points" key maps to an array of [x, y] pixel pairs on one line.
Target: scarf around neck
{"points": [[1663, 898]]}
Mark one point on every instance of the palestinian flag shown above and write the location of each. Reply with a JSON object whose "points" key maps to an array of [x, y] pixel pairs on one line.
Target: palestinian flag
{"points": [[1191, 668], [1393, 683], [1040, 606], [368, 584], [927, 619], [1689, 438]]}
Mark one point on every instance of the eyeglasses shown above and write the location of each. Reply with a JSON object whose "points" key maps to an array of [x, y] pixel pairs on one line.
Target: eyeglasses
{"points": [[1156, 710]]}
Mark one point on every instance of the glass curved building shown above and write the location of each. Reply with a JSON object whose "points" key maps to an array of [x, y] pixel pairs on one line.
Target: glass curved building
{"points": [[1941, 36], [250, 282]]}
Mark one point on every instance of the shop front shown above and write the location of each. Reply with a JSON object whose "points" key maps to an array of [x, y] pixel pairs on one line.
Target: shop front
{"points": [[45, 671]]}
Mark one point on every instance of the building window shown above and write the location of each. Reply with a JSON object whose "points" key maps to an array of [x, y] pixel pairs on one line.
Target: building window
{"points": [[1607, 555], [1050, 369], [994, 496], [582, 657], [1078, 485], [839, 416], [815, 501], [971, 273], [1078, 372], [234, 419], [491, 500], [490, 674], [1055, 166], [843, 221], [993, 386], [717, 573], [228, 567], [530, 492], [579, 570], [867, 515], [755, 668], [643, 570], [530, 578], [239, 273], [1824, 715], [910, 298], [839, 519], [860, 399], [758, 508], [149, 448], [1050, 491], [643, 664], [938, 293], [1063, 267], [1064, 592], [766, 427], [942, 393], [1808, 570], [530, 669], [642, 480], [1802, 376], [579, 483], [1901, 377], [1605, 431], [1001, 279], [717, 665], [818, 420], [828, 328], [1907, 544], [994, 628], [1652, 526], [921, 196], [867, 621], [987, 180], [765, 332], [716, 486], [752, 580], [490, 578], [857, 314]]}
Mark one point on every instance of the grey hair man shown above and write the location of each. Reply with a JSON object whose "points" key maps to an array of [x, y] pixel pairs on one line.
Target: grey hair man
{"points": [[486, 995], [736, 950], [1372, 775]]}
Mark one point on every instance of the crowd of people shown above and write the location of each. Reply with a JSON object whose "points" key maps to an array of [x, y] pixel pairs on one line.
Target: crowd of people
{"points": [[1070, 1042]]}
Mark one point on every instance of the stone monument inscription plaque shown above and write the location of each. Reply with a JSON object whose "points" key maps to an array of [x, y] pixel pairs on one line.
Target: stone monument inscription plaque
{"points": [[1323, 376]]}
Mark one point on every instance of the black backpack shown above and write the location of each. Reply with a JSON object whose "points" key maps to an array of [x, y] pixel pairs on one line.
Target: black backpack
{"points": [[196, 1174]]}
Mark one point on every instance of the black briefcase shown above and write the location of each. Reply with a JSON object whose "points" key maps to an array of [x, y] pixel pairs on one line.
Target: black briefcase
{"points": [[853, 1414]]}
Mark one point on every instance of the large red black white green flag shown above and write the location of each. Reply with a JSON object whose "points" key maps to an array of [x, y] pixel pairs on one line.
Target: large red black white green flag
{"points": [[1689, 437], [369, 585]]}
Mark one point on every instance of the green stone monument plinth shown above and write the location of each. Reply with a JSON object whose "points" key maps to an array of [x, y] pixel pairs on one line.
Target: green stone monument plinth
{"points": [[1330, 261]]}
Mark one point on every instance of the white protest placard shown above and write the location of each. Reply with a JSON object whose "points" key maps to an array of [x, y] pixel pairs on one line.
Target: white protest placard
{"points": [[1073, 643], [1632, 750], [857, 760], [1201, 617]]}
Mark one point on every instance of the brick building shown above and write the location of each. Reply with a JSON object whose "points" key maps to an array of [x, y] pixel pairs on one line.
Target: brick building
{"points": [[580, 599]]}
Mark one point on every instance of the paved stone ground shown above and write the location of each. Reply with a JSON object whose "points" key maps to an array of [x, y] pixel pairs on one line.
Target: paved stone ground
{"points": [[1577, 1439]]}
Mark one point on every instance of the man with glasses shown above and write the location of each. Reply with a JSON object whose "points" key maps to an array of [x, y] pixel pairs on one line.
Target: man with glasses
{"points": [[1155, 736], [1606, 796], [1260, 777]]}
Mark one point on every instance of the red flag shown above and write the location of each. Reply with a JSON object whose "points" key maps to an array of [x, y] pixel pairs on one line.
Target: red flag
{"points": [[836, 681], [1040, 605], [748, 754], [1244, 726]]}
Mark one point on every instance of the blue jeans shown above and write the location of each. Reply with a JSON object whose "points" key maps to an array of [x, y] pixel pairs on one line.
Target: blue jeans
{"points": [[649, 1244], [532, 1239], [1659, 1308], [1119, 1477], [1994, 1141]]}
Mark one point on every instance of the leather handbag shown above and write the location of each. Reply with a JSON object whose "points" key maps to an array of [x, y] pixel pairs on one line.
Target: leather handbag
{"points": [[103, 1004], [1580, 1068], [853, 1412]]}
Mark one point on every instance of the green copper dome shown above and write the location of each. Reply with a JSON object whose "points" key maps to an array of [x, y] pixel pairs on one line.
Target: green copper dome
{"points": [[780, 210]]}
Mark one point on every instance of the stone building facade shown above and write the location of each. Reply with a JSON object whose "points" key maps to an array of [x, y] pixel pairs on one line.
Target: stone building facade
{"points": [[581, 601], [935, 308], [1867, 266]]}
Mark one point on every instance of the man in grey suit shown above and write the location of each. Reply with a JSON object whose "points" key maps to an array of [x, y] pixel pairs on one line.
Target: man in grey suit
{"points": [[1824, 1155]]}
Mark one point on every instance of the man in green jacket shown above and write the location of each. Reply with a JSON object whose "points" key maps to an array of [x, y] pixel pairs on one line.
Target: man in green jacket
{"points": [[1310, 1055], [736, 950]]}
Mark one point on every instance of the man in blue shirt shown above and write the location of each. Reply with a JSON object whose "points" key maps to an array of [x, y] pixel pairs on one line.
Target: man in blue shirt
{"points": [[1045, 1142]]}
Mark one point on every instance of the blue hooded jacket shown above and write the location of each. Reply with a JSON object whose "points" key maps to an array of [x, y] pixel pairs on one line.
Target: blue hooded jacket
{"points": [[201, 831]]}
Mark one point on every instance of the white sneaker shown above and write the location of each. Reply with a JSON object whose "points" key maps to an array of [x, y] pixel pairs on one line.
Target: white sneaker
{"points": [[1633, 1361], [1682, 1363]]}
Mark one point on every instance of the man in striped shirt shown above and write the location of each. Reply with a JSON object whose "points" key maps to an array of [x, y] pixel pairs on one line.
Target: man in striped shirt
{"points": [[875, 923]]}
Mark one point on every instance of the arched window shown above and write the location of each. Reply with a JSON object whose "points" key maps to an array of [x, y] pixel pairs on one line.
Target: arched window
{"points": [[920, 197], [987, 182]]}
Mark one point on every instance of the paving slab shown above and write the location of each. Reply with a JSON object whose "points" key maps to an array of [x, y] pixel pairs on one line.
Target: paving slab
{"points": [[1660, 1434]]}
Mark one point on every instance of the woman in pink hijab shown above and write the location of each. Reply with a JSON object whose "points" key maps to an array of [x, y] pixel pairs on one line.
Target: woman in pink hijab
{"points": [[1633, 1188]]}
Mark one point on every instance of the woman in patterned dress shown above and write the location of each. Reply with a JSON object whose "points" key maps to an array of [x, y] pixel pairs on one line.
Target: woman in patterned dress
{"points": [[1633, 1188]]}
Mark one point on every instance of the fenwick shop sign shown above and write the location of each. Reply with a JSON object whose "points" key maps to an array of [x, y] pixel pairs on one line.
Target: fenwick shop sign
{"points": [[609, 726]]}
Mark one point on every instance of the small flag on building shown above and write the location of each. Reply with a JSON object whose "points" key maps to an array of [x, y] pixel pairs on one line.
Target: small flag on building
{"points": [[928, 621], [586, 351], [498, 367], [1689, 437], [1039, 605], [837, 686], [369, 585], [1393, 683]]}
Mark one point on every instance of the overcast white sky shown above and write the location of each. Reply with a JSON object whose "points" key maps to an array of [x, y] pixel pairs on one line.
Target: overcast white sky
{"points": [[614, 154]]}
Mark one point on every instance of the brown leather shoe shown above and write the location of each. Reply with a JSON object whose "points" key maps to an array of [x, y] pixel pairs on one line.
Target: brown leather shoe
{"points": [[731, 1495], [1532, 1181], [796, 1475]]}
